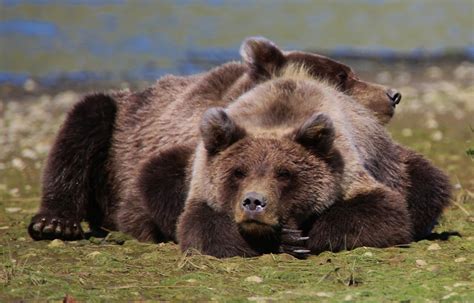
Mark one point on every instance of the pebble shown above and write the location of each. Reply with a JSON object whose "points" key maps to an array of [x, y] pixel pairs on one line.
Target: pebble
{"points": [[348, 298], [420, 262], [12, 210], [407, 132], [93, 254], [460, 284], [259, 299], [324, 294], [449, 295], [434, 268], [368, 254], [434, 246], [254, 279], [460, 260], [56, 243], [437, 136], [30, 85]]}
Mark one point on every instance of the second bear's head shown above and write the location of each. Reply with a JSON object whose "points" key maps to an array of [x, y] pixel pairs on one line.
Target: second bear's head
{"points": [[265, 59]]}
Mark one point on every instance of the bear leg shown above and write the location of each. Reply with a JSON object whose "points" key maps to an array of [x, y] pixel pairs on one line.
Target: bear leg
{"points": [[210, 232], [428, 193], [74, 179], [376, 218], [163, 186]]}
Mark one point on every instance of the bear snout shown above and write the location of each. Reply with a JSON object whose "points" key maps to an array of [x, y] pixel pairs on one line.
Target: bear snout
{"points": [[395, 96], [254, 202]]}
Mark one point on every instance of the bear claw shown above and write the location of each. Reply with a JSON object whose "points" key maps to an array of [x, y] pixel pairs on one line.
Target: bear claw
{"points": [[49, 228], [294, 244]]}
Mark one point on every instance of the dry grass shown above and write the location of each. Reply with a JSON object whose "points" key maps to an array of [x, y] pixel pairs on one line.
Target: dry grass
{"points": [[434, 118]]}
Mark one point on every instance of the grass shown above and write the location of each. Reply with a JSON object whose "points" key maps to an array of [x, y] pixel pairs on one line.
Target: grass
{"points": [[433, 120]]}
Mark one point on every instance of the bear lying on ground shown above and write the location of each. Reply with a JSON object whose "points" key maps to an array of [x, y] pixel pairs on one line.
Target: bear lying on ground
{"points": [[294, 152], [123, 160]]}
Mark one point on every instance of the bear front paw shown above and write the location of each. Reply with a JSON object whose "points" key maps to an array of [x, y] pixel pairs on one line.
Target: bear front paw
{"points": [[48, 227], [294, 244]]}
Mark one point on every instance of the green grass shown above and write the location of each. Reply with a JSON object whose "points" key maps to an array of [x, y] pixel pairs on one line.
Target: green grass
{"points": [[120, 268]]}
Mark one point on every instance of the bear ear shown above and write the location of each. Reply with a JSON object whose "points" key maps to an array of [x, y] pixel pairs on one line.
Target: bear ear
{"points": [[219, 131], [317, 133], [262, 56]]}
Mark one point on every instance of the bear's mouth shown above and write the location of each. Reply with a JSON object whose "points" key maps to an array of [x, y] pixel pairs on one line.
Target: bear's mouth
{"points": [[258, 228]]}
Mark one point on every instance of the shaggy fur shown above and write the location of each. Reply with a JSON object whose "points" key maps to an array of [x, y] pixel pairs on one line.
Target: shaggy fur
{"points": [[124, 160], [75, 179], [343, 173]]}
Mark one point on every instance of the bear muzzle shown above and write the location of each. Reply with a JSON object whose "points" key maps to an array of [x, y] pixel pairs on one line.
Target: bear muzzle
{"points": [[254, 203], [255, 212]]}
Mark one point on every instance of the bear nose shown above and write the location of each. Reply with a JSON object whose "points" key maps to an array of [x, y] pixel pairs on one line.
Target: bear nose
{"points": [[254, 202], [394, 96]]}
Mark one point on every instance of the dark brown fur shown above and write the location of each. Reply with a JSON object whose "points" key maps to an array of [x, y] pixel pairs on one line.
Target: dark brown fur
{"points": [[344, 172], [106, 164]]}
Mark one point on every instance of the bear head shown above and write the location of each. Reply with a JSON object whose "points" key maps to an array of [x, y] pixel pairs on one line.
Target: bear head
{"points": [[265, 59], [265, 181]]}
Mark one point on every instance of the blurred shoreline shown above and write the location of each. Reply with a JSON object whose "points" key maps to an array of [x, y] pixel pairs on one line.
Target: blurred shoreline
{"points": [[394, 72]]}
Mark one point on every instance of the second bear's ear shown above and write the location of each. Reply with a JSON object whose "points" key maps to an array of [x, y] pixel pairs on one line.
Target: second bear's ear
{"points": [[317, 133], [262, 56], [219, 131]]}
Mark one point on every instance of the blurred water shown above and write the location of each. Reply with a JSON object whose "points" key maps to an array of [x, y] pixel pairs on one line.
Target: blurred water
{"points": [[143, 39]]}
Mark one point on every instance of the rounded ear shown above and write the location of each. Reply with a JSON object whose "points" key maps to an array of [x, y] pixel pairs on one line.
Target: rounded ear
{"points": [[262, 56], [317, 133], [218, 130]]}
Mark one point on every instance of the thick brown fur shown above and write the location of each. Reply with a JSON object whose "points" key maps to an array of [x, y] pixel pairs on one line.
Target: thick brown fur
{"points": [[335, 153], [115, 170]]}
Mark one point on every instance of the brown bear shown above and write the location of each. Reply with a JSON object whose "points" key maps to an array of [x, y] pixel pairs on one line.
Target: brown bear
{"points": [[294, 152], [123, 160]]}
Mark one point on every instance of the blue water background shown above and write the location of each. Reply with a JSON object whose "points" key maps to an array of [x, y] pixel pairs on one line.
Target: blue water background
{"points": [[84, 40]]}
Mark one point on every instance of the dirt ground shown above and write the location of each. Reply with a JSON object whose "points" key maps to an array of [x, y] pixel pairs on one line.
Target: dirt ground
{"points": [[436, 118]]}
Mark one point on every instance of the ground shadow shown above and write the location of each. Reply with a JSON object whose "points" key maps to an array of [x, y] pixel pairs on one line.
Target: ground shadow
{"points": [[444, 236]]}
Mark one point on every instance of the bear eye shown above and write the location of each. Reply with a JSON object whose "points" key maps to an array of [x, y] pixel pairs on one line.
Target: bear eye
{"points": [[342, 76], [283, 174], [238, 173]]}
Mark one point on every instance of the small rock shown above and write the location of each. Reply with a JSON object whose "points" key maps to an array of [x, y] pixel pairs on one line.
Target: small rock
{"points": [[368, 254], [4, 227], [348, 298], [407, 132], [18, 163], [460, 284], [460, 260], [324, 294], [420, 262], [29, 85], [449, 295], [259, 299], [437, 135], [434, 246], [93, 254], [433, 268], [434, 72], [12, 210], [95, 240], [254, 279], [191, 280], [56, 243]]}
